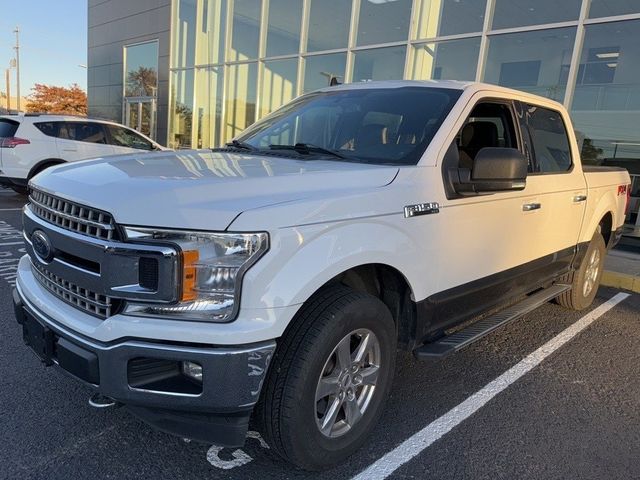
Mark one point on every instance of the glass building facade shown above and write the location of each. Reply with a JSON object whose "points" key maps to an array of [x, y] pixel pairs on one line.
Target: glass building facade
{"points": [[234, 61]]}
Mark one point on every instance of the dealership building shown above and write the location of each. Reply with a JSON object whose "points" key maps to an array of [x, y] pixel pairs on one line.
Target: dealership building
{"points": [[194, 73]]}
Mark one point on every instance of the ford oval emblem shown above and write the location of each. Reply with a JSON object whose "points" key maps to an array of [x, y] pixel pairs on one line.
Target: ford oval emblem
{"points": [[42, 246]]}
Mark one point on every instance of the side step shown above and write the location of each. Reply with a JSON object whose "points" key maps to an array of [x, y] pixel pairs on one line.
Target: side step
{"points": [[460, 339]]}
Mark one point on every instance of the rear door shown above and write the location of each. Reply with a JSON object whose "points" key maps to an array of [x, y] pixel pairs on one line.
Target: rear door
{"points": [[80, 140], [556, 175]]}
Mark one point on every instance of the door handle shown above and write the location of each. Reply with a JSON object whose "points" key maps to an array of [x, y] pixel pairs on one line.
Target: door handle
{"points": [[579, 198], [527, 207]]}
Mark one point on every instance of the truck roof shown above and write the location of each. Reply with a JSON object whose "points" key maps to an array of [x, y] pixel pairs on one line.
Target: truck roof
{"points": [[450, 84]]}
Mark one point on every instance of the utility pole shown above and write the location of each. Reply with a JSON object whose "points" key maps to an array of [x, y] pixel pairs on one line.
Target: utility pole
{"points": [[17, 49], [8, 80]]}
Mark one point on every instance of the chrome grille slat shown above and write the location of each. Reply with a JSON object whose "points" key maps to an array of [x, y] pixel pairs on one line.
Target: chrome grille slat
{"points": [[81, 298], [73, 216]]}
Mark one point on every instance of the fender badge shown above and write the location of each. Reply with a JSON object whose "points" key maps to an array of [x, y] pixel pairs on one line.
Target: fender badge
{"points": [[421, 209]]}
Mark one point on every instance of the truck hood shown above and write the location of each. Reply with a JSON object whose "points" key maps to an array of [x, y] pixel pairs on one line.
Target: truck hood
{"points": [[202, 189]]}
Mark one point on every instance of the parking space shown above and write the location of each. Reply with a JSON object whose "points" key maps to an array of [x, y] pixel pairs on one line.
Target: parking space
{"points": [[576, 414]]}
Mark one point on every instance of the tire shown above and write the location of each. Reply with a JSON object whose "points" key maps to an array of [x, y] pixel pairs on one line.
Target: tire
{"points": [[306, 362], [19, 189], [586, 280]]}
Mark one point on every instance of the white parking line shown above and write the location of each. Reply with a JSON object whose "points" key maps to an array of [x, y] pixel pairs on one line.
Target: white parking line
{"points": [[415, 444], [9, 209], [11, 243]]}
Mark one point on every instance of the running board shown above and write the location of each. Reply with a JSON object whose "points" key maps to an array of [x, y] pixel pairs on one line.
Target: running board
{"points": [[460, 339]]}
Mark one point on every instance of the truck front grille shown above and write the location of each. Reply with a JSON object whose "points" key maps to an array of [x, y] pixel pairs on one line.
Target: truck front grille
{"points": [[73, 216], [91, 302]]}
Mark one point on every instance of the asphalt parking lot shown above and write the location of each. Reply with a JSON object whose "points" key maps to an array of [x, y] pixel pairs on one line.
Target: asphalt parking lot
{"points": [[573, 411]]}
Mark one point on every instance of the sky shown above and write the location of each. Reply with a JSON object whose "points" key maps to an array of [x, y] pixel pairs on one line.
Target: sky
{"points": [[53, 42]]}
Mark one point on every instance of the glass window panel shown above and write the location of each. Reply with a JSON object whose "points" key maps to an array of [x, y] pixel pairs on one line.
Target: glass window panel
{"points": [[283, 31], [210, 34], [451, 60], [383, 21], [208, 107], [536, 62], [518, 13], [606, 8], [606, 105], [141, 66], [328, 25], [320, 69], [241, 98], [279, 84], [181, 109], [184, 46], [379, 64], [449, 17], [245, 35]]}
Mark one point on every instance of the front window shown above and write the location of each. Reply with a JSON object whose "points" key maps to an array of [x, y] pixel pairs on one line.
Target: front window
{"points": [[370, 125]]}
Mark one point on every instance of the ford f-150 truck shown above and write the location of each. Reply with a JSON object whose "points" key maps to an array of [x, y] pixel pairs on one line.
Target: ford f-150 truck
{"points": [[274, 279]]}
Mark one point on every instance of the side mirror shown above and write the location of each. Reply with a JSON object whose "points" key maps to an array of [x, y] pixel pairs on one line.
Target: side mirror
{"points": [[494, 170]]}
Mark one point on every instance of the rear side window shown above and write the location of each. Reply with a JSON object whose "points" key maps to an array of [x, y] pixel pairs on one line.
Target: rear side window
{"points": [[549, 143], [122, 137], [82, 132], [50, 129], [8, 128]]}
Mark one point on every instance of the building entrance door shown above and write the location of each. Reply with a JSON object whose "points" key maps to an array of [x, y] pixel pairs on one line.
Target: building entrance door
{"points": [[140, 114]]}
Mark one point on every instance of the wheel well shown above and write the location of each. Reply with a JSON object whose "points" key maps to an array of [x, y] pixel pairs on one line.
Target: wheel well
{"points": [[605, 226], [390, 286], [41, 165]]}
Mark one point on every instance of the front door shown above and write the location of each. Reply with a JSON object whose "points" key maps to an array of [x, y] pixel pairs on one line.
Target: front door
{"points": [[140, 114]]}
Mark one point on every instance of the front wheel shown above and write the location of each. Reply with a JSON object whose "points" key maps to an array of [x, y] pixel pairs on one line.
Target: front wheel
{"points": [[586, 280], [329, 379]]}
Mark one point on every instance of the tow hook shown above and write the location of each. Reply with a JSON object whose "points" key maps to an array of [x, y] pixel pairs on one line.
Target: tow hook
{"points": [[100, 401]]}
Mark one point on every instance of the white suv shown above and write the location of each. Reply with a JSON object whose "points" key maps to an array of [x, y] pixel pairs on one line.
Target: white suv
{"points": [[29, 143]]}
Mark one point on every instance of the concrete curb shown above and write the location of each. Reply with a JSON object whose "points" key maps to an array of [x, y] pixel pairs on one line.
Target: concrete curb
{"points": [[621, 281]]}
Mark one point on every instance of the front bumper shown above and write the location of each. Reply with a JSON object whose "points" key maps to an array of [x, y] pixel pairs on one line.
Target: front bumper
{"points": [[218, 412]]}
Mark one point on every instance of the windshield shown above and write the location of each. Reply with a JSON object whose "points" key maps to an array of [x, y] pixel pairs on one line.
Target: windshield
{"points": [[368, 125]]}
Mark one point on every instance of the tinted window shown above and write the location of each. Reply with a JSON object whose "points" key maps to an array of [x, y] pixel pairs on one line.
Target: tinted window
{"points": [[549, 142], [50, 129], [123, 137], [8, 128], [82, 132], [372, 125]]}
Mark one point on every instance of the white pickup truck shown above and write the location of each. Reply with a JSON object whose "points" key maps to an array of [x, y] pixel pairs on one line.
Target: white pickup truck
{"points": [[275, 278]]}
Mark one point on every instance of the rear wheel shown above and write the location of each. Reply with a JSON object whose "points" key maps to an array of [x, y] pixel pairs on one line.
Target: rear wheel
{"points": [[329, 379], [586, 280], [19, 189]]}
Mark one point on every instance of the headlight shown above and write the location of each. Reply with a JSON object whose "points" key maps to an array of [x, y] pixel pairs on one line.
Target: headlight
{"points": [[212, 268]]}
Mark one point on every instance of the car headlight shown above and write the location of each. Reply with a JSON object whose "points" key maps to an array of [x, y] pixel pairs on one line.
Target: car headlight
{"points": [[212, 267]]}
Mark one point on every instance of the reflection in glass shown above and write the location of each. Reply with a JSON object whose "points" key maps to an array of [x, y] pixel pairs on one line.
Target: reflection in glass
{"points": [[245, 34], [279, 84], [449, 17], [283, 30], [208, 107], [383, 21], [199, 32], [379, 64], [328, 25], [184, 46], [536, 62], [240, 98], [141, 67], [518, 13], [181, 108], [450, 60], [606, 105], [606, 8], [320, 69]]}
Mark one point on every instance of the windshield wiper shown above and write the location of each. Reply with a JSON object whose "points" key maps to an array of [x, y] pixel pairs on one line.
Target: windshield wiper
{"points": [[306, 149], [241, 145]]}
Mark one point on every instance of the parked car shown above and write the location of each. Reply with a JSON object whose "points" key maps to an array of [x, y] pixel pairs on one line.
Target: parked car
{"points": [[277, 276], [30, 143]]}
